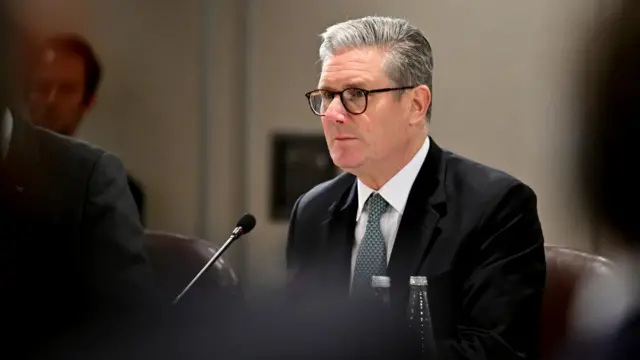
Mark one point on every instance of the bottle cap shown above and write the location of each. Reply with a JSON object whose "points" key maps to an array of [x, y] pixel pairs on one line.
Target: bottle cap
{"points": [[418, 280], [381, 281]]}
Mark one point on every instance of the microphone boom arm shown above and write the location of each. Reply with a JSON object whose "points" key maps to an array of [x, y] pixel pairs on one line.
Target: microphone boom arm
{"points": [[237, 232]]}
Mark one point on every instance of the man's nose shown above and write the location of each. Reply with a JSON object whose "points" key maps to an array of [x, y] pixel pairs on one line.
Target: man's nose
{"points": [[336, 111]]}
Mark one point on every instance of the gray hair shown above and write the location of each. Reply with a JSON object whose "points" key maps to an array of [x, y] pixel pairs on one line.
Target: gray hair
{"points": [[409, 60]]}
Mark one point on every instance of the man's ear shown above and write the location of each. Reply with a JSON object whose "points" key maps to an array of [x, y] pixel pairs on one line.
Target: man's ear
{"points": [[420, 102]]}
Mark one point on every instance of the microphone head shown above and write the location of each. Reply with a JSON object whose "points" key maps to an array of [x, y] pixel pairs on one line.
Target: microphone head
{"points": [[247, 222]]}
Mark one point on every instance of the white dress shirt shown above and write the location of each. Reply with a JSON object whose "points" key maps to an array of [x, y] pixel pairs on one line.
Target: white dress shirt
{"points": [[395, 192]]}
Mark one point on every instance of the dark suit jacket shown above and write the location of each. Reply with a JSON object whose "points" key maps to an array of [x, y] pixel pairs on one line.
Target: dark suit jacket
{"points": [[472, 230], [138, 196], [71, 248]]}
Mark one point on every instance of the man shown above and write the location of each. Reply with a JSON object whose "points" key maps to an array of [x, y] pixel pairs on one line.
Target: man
{"points": [[72, 266], [62, 89], [407, 207]]}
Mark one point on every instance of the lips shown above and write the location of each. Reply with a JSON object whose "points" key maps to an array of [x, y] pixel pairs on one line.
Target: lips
{"points": [[344, 138]]}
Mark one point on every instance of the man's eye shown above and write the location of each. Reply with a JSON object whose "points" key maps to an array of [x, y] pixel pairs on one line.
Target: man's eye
{"points": [[328, 95], [355, 93]]}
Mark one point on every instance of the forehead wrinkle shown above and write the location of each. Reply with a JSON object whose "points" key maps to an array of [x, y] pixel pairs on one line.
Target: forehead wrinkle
{"points": [[352, 68], [341, 80]]}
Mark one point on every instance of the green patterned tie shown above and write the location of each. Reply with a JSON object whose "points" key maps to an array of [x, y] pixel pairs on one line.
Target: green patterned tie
{"points": [[371, 259]]}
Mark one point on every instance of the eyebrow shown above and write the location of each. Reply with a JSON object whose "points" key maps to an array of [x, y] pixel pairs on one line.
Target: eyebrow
{"points": [[357, 85]]}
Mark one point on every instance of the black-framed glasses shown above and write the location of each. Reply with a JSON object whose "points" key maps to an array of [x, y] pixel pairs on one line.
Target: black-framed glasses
{"points": [[354, 100]]}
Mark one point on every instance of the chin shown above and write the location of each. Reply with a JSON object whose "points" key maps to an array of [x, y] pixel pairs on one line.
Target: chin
{"points": [[347, 164], [346, 156]]}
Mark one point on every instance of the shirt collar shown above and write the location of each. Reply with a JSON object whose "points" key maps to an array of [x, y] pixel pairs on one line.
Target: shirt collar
{"points": [[396, 190], [6, 124]]}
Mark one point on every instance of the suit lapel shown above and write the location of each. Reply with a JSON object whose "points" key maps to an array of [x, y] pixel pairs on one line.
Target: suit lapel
{"points": [[22, 162], [339, 229], [18, 194], [419, 226]]}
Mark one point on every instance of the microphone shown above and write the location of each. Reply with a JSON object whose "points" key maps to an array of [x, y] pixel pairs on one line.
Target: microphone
{"points": [[246, 223]]}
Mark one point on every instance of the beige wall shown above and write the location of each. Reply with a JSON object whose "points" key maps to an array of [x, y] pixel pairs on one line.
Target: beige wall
{"points": [[501, 96], [151, 90], [207, 82], [225, 198]]}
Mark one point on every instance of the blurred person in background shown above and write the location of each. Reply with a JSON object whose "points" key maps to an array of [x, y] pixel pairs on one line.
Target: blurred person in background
{"points": [[73, 270], [62, 87], [611, 105]]}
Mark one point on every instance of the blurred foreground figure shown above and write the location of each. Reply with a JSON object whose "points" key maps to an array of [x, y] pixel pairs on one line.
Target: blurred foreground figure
{"points": [[62, 88], [612, 121], [72, 265]]}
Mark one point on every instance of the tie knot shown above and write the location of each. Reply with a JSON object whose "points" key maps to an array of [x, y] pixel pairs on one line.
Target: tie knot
{"points": [[376, 205]]}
